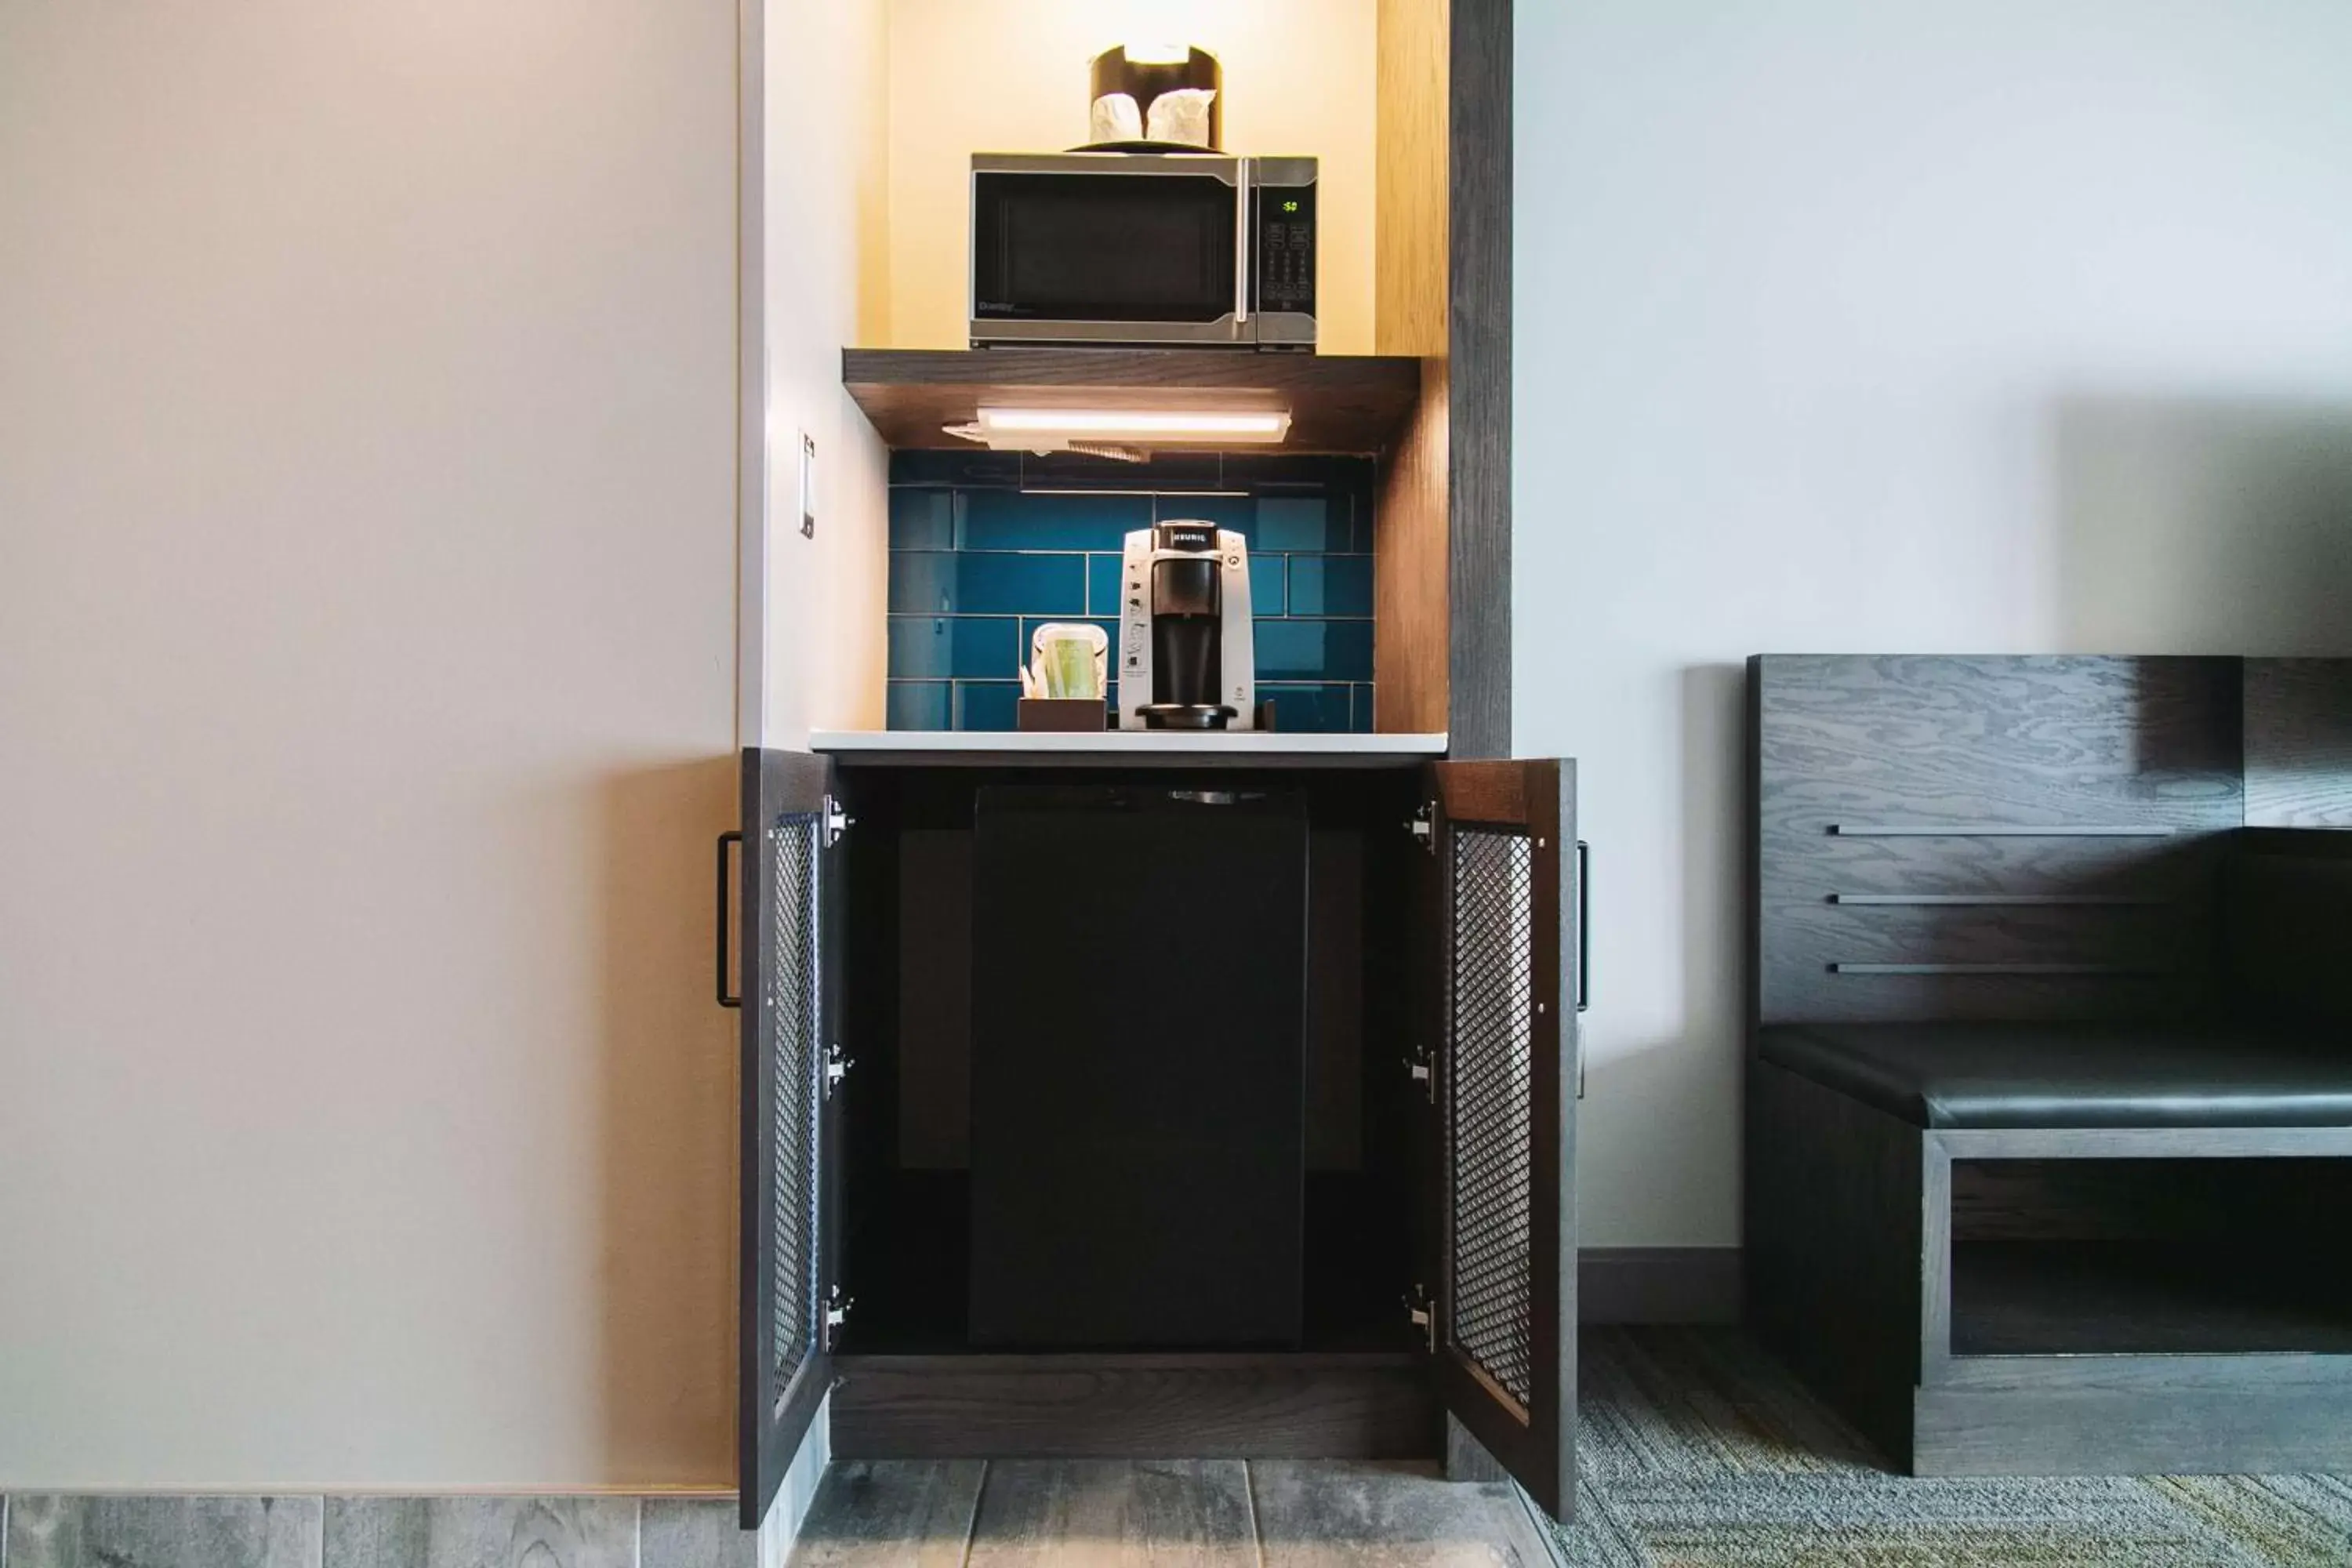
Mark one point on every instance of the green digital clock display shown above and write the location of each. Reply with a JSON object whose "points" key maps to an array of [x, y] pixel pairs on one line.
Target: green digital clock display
{"points": [[1290, 206]]}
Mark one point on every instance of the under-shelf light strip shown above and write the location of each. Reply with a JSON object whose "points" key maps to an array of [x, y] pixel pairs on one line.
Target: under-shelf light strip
{"points": [[1262, 425]]}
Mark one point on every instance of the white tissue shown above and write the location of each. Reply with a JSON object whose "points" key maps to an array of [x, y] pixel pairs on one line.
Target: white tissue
{"points": [[1182, 114], [1116, 119]]}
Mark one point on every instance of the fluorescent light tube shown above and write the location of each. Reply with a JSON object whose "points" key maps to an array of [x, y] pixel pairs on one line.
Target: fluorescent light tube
{"points": [[1128, 433], [1115, 424]]}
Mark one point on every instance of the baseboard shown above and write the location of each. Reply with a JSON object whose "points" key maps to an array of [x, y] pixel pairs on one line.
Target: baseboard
{"points": [[1657, 1285]]}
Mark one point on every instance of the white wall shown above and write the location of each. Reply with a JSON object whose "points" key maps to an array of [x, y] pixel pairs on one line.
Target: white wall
{"points": [[367, 566], [827, 201], [970, 75], [1981, 325]]}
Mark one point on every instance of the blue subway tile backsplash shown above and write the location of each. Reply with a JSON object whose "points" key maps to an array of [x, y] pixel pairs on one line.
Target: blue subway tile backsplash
{"points": [[1268, 596], [985, 546], [919, 704], [945, 647], [1302, 523], [1330, 586], [987, 704], [1102, 585], [986, 583], [1312, 709], [922, 519], [1019, 520], [1313, 650]]}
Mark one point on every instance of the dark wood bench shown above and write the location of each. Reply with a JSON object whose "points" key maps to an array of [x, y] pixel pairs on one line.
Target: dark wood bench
{"points": [[2050, 1082]]}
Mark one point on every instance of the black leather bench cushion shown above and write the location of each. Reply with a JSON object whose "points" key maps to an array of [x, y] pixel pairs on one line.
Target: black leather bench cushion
{"points": [[2076, 1075]]}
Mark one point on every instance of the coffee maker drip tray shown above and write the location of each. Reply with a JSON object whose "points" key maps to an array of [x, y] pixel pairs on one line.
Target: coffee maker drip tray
{"points": [[1186, 716]]}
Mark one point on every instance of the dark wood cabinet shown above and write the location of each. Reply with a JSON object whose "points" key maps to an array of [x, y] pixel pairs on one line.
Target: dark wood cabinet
{"points": [[1401, 1062], [1424, 1272], [792, 981]]}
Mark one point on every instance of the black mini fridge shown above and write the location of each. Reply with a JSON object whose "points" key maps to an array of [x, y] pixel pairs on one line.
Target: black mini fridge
{"points": [[1138, 1044]]}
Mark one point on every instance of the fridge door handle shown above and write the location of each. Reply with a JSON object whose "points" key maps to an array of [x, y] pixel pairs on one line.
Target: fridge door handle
{"points": [[725, 954], [1583, 925]]}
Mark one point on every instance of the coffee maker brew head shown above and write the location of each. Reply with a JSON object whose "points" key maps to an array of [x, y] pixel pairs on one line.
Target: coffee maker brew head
{"points": [[1187, 654]]}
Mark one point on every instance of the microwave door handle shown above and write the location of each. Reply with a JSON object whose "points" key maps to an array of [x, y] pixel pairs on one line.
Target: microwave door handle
{"points": [[1241, 241]]}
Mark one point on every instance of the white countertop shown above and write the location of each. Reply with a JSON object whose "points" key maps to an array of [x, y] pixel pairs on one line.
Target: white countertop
{"points": [[1139, 746]]}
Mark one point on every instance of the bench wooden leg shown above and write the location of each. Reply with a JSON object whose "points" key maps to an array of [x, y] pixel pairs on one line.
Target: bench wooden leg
{"points": [[1842, 1221]]}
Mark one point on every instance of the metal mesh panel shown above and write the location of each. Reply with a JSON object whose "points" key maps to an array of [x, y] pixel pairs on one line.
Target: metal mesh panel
{"points": [[795, 1026], [1490, 1122]]}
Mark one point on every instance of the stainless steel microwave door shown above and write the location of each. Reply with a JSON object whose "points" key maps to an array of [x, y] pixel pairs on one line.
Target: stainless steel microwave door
{"points": [[1139, 254]]}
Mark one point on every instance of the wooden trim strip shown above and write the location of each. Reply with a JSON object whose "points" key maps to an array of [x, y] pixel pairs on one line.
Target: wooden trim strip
{"points": [[2143, 1142], [1993, 830], [2238, 1372], [2116, 971], [2031, 900]]}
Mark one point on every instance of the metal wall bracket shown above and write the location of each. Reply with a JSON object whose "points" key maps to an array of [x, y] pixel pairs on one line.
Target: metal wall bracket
{"points": [[1423, 1314], [1420, 1069], [836, 1313], [1423, 825], [837, 821], [836, 1067]]}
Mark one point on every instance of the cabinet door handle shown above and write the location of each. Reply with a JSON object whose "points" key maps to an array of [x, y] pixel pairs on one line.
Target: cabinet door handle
{"points": [[1583, 925], [1242, 251], [726, 956]]}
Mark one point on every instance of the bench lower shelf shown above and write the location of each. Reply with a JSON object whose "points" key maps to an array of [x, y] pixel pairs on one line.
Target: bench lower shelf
{"points": [[2149, 1298], [2293, 1416]]}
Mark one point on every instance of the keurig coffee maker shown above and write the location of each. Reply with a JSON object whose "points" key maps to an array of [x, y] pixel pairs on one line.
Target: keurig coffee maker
{"points": [[1187, 656]]}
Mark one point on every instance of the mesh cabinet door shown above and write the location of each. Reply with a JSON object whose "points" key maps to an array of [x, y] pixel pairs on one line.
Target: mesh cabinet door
{"points": [[791, 963], [1505, 1336]]}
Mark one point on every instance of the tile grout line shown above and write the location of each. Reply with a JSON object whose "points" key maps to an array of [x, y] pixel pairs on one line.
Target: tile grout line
{"points": [[1249, 1491], [971, 1522], [637, 1549]]}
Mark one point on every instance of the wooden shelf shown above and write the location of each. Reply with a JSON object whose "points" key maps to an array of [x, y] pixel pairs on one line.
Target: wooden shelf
{"points": [[1337, 403], [1124, 748]]}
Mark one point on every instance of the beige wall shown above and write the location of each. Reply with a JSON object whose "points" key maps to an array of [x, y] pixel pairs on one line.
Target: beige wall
{"points": [[827, 186], [970, 75], [367, 569]]}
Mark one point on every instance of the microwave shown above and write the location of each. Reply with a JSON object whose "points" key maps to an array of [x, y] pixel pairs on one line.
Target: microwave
{"points": [[1142, 248]]}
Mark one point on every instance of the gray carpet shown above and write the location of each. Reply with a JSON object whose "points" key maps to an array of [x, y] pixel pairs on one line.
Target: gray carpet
{"points": [[1698, 1450]]}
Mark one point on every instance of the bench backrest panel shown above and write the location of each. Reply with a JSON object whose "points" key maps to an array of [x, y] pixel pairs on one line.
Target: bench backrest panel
{"points": [[2298, 751], [1947, 837]]}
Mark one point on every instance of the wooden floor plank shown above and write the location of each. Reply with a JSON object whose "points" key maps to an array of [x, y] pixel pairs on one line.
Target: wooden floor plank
{"points": [[1348, 1514], [891, 1513], [1115, 1513]]}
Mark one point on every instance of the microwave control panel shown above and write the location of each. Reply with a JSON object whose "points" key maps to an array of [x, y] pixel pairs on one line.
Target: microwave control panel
{"points": [[1285, 248]]}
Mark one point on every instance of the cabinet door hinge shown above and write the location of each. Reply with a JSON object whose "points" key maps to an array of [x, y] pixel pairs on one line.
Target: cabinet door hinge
{"points": [[837, 821], [1423, 825], [1422, 1072], [836, 1067], [1423, 1312], [836, 1313]]}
